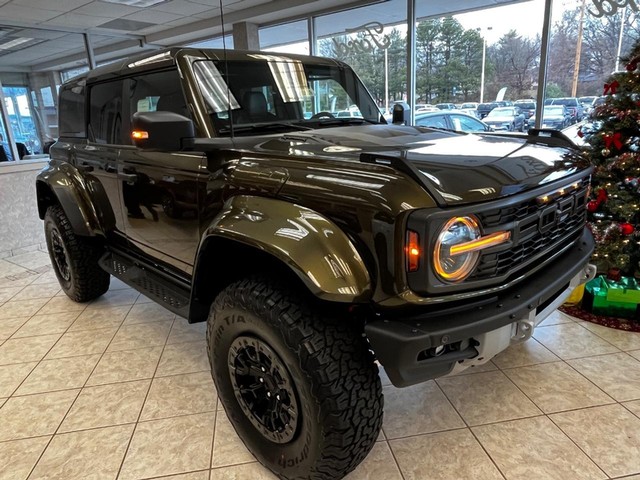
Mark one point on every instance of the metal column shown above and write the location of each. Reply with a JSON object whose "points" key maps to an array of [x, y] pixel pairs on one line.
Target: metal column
{"points": [[411, 57], [544, 52], [7, 125], [89, 47], [311, 35]]}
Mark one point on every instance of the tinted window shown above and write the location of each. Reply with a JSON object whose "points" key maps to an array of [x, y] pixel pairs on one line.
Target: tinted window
{"points": [[466, 124], [437, 121], [572, 102], [105, 117], [72, 114], [526, 104]]}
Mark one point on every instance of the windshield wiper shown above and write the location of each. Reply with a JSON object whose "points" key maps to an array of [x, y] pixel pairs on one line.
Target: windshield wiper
{"points": [[344, 121], [264, 126]]}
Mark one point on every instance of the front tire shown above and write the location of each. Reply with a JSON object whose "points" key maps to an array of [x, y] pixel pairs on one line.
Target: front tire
{"points": [[74, 258], [299, 385]]}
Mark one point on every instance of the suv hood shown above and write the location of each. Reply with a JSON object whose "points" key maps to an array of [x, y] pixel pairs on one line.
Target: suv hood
{"points": [[454, 168]]}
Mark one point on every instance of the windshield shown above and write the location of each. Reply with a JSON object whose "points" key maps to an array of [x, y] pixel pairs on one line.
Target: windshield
{"points": [[565, 101], [501, 112], [275, 91]]}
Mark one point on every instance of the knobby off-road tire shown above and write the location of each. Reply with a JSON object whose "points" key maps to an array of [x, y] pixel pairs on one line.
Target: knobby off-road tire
{"points": [[328, 413], [74, 258]]}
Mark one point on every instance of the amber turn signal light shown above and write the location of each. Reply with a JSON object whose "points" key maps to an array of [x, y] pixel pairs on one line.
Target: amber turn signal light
{"points": [[139, 135], [412, 250]]}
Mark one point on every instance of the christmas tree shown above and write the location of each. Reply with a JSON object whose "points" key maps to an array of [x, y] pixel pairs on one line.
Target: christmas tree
{"points": [[614, 138]]}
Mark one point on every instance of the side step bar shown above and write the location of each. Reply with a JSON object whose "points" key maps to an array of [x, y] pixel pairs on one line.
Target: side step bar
{"points": [[145, 280]]}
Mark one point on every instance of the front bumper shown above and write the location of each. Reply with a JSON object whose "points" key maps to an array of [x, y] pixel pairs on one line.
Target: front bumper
{"points": [[420, 347]]}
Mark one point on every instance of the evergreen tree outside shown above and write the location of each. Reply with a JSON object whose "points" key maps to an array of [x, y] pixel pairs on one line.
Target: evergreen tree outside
{"points": [[613, 212]]}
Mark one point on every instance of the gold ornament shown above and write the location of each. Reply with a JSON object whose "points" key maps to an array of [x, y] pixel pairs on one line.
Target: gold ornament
{"points": [[605, 152]]}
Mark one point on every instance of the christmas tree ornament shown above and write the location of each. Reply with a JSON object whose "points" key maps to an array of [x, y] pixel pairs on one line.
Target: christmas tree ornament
{"points": [[605, 152], [626, 228]]}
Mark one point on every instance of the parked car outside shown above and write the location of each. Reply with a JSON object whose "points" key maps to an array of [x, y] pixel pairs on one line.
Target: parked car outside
{"points": [[554, 116], [596, 103], [446, 106], [451, 120], [426, 107], [470, 111], [528, 107], [587, 103], [349, 113], [573, 105], [505, 118], [484, 108], [467, 105]]}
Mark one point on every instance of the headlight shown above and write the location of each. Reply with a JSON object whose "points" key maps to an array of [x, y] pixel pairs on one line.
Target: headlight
{"points": [[453, 266]]}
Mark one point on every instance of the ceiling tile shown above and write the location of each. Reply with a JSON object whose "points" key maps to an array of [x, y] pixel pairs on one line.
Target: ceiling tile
{"points": [[153, 16], [39, 33], [75, 20], [28, 14], [57, 5], [104, 9], [181, 7]]}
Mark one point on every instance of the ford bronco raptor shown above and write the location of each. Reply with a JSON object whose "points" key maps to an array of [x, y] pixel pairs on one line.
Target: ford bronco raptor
{"points": [[224, 186]]}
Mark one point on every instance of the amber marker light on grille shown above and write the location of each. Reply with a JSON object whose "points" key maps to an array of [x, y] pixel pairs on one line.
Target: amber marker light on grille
{"points": [[139, 135], [412, 249], [561, 192], [480, 244]]}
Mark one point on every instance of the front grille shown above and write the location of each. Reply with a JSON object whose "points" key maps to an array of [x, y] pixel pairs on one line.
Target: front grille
{"points": [[539, 231]]}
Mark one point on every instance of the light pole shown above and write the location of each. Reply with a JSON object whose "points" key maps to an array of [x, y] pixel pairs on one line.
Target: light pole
{"points": [[484, 55]]}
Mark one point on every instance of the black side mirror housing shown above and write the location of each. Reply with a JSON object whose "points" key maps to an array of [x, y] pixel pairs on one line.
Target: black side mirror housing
{"points": [[165, 131], [401, 115]]}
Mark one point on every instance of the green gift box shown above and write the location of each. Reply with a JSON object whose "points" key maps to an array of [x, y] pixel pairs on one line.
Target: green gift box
{"points": [[612, 298]]}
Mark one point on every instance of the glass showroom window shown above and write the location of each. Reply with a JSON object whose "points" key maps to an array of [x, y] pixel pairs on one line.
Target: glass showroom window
{"points": [[476, 57], [287, 38], [373, 40], [218, 42]]}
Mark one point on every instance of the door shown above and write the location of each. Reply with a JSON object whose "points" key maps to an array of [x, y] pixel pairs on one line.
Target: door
{"points": [[160, 190]]}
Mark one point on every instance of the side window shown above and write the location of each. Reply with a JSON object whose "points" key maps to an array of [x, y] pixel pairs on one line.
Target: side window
{"points": [[437, 121], [72, 112], [105, 116], [157, 92], [465, 124]]}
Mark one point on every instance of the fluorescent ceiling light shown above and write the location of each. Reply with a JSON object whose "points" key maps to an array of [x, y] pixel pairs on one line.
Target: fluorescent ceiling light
{"points": [[136, 3], [14, 43]]}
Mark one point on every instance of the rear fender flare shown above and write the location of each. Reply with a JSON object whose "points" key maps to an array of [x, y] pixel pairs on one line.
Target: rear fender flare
{"points": [[311, 245]]}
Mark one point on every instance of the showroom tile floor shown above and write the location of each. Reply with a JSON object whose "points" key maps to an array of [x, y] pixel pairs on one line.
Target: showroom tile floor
{"points": [[120, 388]]}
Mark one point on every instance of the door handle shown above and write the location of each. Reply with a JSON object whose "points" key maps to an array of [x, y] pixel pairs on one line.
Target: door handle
{"points": [[128, 177]]}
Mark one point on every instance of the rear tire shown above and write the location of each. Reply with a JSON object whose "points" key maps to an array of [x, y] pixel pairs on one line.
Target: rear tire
{"points": [[328, 410], [74, 258]]}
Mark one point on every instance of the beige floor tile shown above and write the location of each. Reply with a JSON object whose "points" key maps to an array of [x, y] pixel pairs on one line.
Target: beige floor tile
{"points": [[93, 318], [19, 457], [62, 304], [148, 312], [556, 318], [384, 378], [619, 338], [29, 349], [634, 407], [635, 354], [59, 374], [7, 293], [47, 290], [182, 331], [30, 260], [494, 399], [485, 367], [34, 415], [126, 366], [48, 277], [141, 335], [88, 455], [85, 342], [450, 455], [201, 475], [180, 395], [524, 354], [117, 284], [183, 358], [253, 471], [8, 268], [9, 326], [47, 324], [610, 435], [105, 405], [228, 449], [27, 278], [11, 376], [378, 464], [21, 308], [555, 387], [187, 439], [116, 298], [418, 409], [534, 448], [570, 340], [143, 299], [617, 374]]}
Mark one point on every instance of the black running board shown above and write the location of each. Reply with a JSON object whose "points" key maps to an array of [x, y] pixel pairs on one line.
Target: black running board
{"points": [[170, 295]]}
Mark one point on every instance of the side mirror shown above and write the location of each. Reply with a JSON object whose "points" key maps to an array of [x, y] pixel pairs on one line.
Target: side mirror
{"points": [[166, 131], [400, 115]]}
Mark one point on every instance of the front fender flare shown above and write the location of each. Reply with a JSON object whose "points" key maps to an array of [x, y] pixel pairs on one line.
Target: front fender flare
{"points": [[314, 247]]}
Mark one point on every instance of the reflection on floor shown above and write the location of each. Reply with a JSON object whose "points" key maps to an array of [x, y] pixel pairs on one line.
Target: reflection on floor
{"points": [[120, 388]]}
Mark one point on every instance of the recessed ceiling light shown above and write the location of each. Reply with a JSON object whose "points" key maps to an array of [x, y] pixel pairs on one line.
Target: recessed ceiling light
{"points": [[14, 43], [136, 3]]}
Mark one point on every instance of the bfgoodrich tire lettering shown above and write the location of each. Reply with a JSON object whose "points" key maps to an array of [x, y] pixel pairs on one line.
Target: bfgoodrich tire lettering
{"points": [[74, 259], [334, 379]]}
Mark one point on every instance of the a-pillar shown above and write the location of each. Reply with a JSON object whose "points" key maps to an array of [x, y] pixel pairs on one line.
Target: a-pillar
{"points": [[245, 36]]}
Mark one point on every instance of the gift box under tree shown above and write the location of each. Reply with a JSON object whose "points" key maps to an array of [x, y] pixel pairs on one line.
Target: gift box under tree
{"points": [[614, 298]]}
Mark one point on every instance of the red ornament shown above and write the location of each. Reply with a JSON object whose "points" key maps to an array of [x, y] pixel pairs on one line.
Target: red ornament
{"points": [[614, 274], [632, 66], [580, 134], [626, 228], [616, 139], [592, 206]]}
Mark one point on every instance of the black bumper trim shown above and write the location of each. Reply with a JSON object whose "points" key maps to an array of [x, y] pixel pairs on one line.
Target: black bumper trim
{"points": [[397, 342]]}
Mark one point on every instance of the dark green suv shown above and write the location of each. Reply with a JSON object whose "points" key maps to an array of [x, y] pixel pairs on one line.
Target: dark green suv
{"points": [[223, 186]]}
